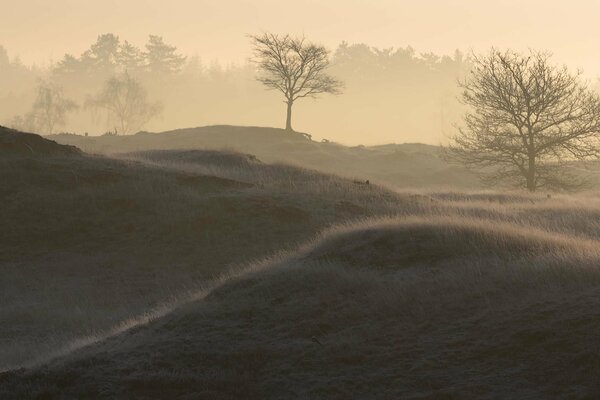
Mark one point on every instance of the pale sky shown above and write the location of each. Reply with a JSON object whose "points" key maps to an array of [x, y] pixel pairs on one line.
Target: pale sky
{"points": [[38, 30]]}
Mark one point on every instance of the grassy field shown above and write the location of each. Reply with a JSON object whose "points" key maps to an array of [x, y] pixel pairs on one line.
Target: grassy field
{"points": [[94, 241], [406, 165], [216, 275], [418, 307]]}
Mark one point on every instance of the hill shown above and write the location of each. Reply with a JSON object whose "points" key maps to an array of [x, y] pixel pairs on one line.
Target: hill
{"points": [[216, 274], [91, 241], [15, 143], [401, 165], [366, 311]]}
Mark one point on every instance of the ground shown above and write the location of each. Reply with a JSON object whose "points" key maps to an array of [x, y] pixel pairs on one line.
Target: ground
{"points": [[218, 275], [400, 165]]}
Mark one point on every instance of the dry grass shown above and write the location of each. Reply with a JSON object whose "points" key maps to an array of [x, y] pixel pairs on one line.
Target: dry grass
{"points": [[495, 309], [276, 178], [94, 241], [401, 165], [403, 294]]}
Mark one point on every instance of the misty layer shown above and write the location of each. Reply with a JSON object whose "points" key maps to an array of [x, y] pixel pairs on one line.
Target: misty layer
{"points": [[402, 95]]}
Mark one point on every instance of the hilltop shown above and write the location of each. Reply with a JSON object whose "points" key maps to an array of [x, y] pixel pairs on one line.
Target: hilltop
{"points": [[401, 165], [15, 143]]}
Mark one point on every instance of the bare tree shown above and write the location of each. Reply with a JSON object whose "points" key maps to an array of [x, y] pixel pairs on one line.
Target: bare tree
{"points": [[294, 67], [527, 120], [125, 101], [23, 123], [49, 110]]}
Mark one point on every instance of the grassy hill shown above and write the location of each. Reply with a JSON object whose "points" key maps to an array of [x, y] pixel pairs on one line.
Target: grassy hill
{"points": [[186, 273], [91, 241], [394, 308], [14, 144], [401, 165]]}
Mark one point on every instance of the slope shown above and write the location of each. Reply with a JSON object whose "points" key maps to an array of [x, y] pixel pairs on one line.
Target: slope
{"points": [[402, 165], [89, 241], [497, 310]]}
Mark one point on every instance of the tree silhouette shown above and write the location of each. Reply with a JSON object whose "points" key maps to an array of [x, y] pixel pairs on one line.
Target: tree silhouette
{"points": [[162, 58], [528, 119], [130, 58], [125, 102], [294, 67], [49, 110], [69, 65], [103, 54]]}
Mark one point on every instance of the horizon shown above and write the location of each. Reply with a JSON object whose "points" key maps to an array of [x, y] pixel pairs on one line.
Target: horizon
{"points": [[193, 26], [402, 106]]}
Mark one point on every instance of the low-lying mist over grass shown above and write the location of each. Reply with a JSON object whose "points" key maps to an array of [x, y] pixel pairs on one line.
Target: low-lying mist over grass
{"points": [[215, 274], [403, 306]]}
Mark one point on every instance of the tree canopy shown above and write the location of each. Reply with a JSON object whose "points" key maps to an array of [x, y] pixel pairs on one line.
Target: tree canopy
{"points": [[527, 120], [161, 57], [294, 67]]}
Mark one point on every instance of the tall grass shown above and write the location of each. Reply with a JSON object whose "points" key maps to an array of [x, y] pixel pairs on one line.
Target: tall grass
{"points": [[379, 308], [498, 242]]}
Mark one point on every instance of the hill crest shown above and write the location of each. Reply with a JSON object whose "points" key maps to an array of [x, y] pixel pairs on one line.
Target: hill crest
{"points": [[16, 143], [400, 165]]}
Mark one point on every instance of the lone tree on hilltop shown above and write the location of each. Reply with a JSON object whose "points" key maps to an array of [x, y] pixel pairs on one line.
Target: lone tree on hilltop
{"points": [[294, 67], [527, 120]]}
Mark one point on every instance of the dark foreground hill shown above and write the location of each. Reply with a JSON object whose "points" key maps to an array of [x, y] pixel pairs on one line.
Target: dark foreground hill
{"points": [[18, 144], [403, 165], [108, 286], [88, 242], [421, 308]]}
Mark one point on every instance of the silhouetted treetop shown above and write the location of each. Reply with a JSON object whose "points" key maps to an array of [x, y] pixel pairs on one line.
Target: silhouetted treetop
{"points": [[294, 67], [161, 57], [130, 58], [102, 54], [527, 119]]}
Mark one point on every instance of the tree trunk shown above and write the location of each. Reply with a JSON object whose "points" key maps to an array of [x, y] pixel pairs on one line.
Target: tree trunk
{"points": [[531, 174], [288, 120]]}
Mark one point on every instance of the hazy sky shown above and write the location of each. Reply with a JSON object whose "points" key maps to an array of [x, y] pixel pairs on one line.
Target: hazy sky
{"points": [[38, 30]]}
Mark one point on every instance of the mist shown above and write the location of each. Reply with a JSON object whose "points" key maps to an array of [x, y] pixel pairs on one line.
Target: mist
{"points": [[398, 61], [402, 95], [264, 199]]}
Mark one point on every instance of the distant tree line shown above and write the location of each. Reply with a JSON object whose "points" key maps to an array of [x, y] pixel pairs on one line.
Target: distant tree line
{"points": [[522, 119], [107, 80], [397, 91], [108, 55]]}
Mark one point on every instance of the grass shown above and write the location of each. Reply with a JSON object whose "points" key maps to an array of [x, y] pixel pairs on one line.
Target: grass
{"points": [[95, 241], [400, 165], [497, 310], [133, 278]]}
